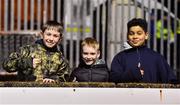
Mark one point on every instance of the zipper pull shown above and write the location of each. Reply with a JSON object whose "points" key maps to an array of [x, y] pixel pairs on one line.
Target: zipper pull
{"points": [[141, 70], [139, 65]]}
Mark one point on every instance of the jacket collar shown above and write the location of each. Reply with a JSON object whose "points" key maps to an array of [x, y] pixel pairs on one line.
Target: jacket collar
{"points": [[40, 42]]}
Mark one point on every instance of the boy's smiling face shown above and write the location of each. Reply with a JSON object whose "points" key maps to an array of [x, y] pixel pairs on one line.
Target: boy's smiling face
{"points": [[90, 54], [51, 37], [137, 36]]}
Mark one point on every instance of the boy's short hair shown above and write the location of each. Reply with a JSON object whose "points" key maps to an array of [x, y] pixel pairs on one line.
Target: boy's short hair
{"points": [[137, 22], [51, 24], [90, 42]]}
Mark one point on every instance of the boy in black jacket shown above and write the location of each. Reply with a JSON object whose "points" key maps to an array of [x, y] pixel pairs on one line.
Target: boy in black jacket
{"points": [[91, 68]]}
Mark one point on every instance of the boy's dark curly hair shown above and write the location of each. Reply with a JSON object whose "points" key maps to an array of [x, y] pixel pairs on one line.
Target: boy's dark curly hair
{"points": [[137, 22]]}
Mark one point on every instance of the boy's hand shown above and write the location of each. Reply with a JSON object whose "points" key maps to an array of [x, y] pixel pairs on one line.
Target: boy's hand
{"points": [[142, 72], [47, 80], [141, 69], [74, 80], [36, 62]]}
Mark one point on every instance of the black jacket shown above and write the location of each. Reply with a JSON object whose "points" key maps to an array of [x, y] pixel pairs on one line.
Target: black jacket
{"points": [[98, 72]]}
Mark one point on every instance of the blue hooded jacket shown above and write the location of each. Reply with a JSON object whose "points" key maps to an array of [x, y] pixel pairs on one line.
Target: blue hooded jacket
{"points": [[124, 67]]}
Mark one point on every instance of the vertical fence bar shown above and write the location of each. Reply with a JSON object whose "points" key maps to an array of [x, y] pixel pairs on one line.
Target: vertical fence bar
{"points": [[169, 38], [78, 33], [149, 20], [25, 14], [155, 22], [82, 15], [17, 42], [162, 27], [115, 40], [142, 8], [65, 31], [39, 15], [129, 9], [104, 14], [91, 17], [45, 11], [71, 35], [2, 49], [6, 9], [5, 46], [98, 20], [59, 10], [175, 61], [11, 43], [109, 32], [52, 10], [135, 9], [122, 23], [32, 14], [84, 23], [112, 29], [19, 16], [12, 15]]}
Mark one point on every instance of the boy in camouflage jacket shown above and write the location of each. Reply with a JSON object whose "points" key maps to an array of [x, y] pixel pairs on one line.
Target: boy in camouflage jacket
{"points": [[42, 61]]}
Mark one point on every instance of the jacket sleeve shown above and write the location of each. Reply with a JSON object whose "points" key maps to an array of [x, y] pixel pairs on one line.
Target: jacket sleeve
{"points": [[18, 61], [73, 76], [165, 72], [10, 64], [116, 69]]}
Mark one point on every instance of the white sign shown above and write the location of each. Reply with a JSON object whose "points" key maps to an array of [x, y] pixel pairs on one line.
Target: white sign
{"points": [[88, 96]]}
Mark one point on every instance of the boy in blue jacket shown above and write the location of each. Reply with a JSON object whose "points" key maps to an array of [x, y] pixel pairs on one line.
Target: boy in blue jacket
{"points": [[139, 63]]}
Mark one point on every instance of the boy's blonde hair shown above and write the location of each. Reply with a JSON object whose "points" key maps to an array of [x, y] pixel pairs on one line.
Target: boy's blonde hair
{"points": [[90, 42], [53, 25]]}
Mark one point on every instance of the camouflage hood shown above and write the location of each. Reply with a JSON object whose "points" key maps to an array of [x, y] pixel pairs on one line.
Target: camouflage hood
{"points": [[54, 49]]}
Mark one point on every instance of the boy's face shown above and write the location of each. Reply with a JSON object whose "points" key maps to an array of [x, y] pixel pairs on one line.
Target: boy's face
{"points": [[90, 54], [137, 36], [51, 37]]}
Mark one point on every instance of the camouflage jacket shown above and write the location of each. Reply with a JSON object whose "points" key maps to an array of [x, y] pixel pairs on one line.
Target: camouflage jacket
{"points": [[53, 65]]}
